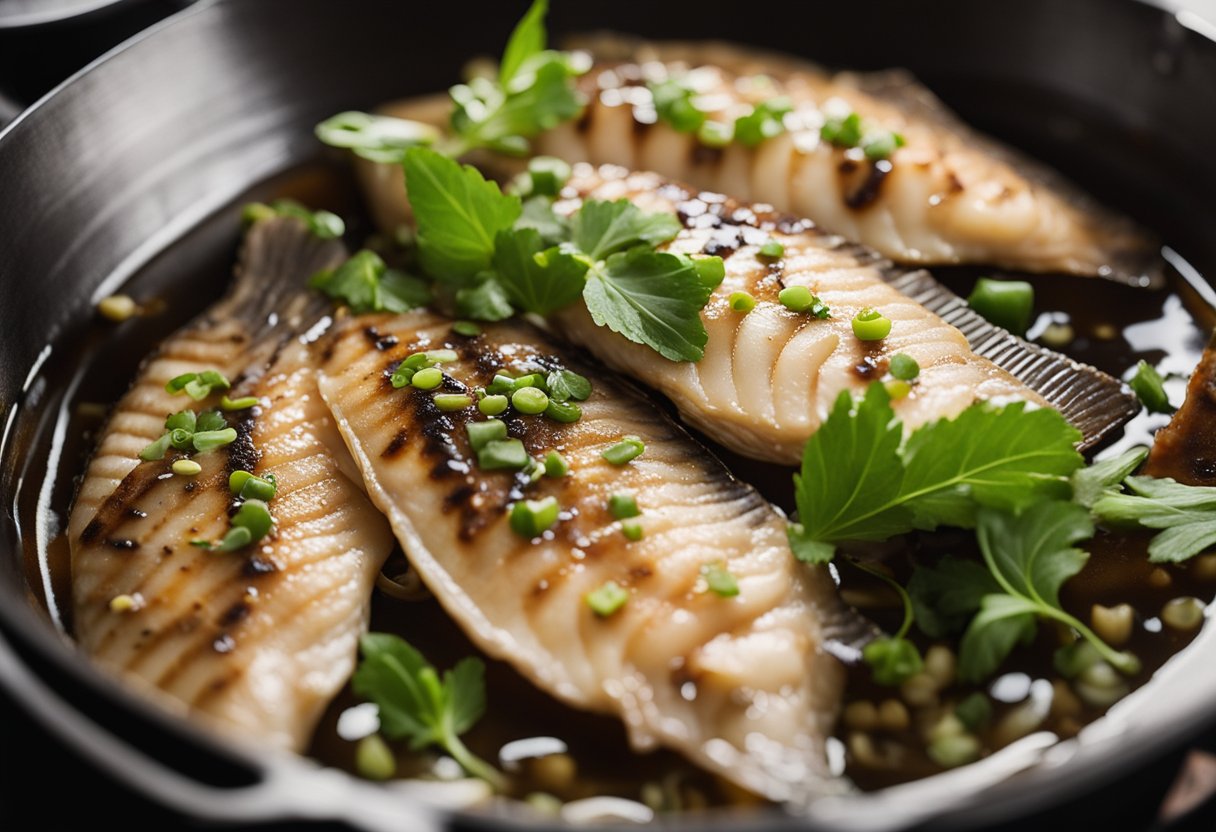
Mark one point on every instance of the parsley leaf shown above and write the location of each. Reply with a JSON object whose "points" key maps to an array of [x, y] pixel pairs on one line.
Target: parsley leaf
{"points": [[538, 213], [601, 228], [366, 284], [416, 705], [1186, 515], [861, 481], [1093, 482], [527, 39], [946, 596], [653, 298], [485, 301], [537, 279], [458, 213]]}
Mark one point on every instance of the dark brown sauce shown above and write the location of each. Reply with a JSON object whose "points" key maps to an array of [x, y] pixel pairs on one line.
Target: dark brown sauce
{"points": [[92, 365]]}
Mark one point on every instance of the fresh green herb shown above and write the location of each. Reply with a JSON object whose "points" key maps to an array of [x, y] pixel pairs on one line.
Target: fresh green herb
{"points": [[842, 131], [602, 228], [198, 386], [378, 138], [485, 301], [629, 448], [322, 224], [1149, 387], [417, 362], [719, 581], [892, 659], [772, 249], [374, 760], [711, 271], [535, 278], [974, 712], [527, 380], [503, 455], [765, 121], [482, 433], [366, 284], [870, 325], [250, 524], [188, 431], [741, 302], [632, 530], [716, 133], [897, 389], [881, 145], [428, 378], [673, 104], [493, 405], [1185, 514], [501, 384], [1095, 481], [531, 518], [564, 412], [243, 403], [564, 385], [546, 176], [623, 506], [530, 400], [449, 402], [903, 367], [800, 299], [947, 595], [247, 486], [1005, 303], [466, 328], [416, 705], [861, 481], [608, 599], [538, 214], [556, 465]]}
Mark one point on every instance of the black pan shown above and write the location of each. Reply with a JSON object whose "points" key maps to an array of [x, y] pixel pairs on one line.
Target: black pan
{"points": [[170, 129]]}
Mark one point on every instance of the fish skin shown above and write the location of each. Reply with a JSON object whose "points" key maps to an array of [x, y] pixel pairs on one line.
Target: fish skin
{"points": [[770, 376], [254, 642], [740, 685]]}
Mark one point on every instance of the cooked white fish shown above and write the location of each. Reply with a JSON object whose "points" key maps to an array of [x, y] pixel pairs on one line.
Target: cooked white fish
{"points": [[949, 195], [741, 685], [257, 640]]}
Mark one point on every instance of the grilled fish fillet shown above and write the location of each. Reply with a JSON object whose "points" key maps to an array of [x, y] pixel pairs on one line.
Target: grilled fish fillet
{"points": [[948, 196], [740, 685], [258, 640]]}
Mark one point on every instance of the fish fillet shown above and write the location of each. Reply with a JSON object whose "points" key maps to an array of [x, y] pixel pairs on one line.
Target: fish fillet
{"points": [[258, 640], [948, 196], [741, 685]]}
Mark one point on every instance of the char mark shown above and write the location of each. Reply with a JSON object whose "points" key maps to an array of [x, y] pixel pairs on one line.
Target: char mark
{"points": [[119, 505]]}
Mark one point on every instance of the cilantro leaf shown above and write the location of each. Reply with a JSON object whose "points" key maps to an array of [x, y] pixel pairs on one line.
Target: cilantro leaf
{"points": [[527, 39], [458, 213], [1186, 515], [366, 284], [537, 279], [861, 481], [652, 298], [602, 228], [946, 595], [484, 301], [1091, 483], [415, 704]]}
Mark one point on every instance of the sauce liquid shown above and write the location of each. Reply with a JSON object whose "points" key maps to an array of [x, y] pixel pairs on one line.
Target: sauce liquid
{"points": [[90, 366]]}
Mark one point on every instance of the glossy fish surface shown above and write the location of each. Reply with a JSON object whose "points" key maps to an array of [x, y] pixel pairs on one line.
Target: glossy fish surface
{"points": [[256, 640], [740, 683]]}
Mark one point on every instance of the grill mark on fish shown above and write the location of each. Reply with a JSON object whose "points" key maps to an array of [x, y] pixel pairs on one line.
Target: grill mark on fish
{"points": [[871, 187], [113, 511]]}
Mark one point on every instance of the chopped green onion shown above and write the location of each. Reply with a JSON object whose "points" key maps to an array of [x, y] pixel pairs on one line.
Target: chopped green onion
{"points": [[531, 380], [719, 580], [186, 467], [711, 271], [796, 298], [536, 470], [716, 134], [427, 378], [434, 357], [503, 454], [565, 412], [156, 450], [466, 328], [741, 302], [243, 403], [765, 121], [530, 400], [186, 420], [898, 388], [870, 325], [238, 537], [881, 145], [500, 384], [402, 376], [673, 103], [1006, 303], [209, 440], [623, 506], [607, 599], [903, 367], [556, 465], [629, 448], [482, 433], [531, 518], [198, 386], [974, 711], [249, 487], [772, 249], [181, 439], [632, 529], [118, 308], [493, 405], [255, 516], [253, 212], [548, 175], [237, 479], [448, 402], [842, 132], [1149, 387], [374, 760]]}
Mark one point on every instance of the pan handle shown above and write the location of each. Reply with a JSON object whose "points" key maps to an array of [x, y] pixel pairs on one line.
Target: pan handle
{"points": [[291, 790]]}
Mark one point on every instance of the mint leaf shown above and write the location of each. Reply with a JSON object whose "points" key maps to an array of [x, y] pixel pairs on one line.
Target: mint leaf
{"points": [[1093, 482], [1185, 513], [601, 228], [527, 39], [652, 298], [537, 279], [459, 214], [416, 705], [851, 464], [484, 301], [946, 595], [1002, 457]]}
